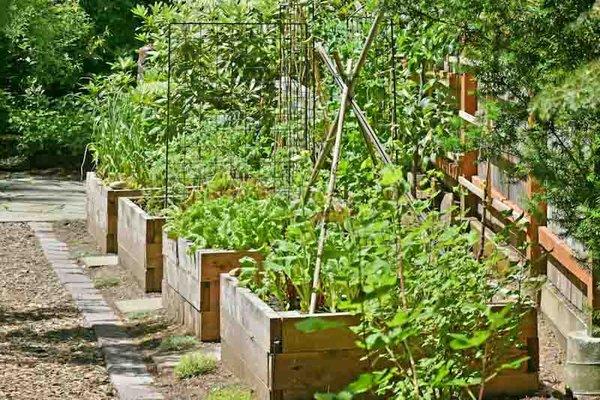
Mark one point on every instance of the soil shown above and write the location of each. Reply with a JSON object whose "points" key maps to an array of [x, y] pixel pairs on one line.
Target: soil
{"points": [[45, 350], [552, 358], [147, 329]]}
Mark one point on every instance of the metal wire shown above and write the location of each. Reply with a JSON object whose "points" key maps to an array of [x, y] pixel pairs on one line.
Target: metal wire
{"points": [[293, 113]]}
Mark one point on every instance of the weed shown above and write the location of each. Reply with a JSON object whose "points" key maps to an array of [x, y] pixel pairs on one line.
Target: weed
{"points": [[106, 282], [177, 343], [137, 315], [233, 392], [195, 364]]}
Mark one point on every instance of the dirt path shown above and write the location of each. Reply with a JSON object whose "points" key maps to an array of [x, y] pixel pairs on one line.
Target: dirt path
{"points": [[45, 351]]}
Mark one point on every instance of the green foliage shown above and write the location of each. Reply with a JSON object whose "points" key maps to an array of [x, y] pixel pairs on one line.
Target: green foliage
{"points": [[114, 21], [178, 343], [240, 218], [106, 282], [47, 47], [195, 364], [232, 392], [46, 42], [51, 132], [127, 127], [537, 63]]}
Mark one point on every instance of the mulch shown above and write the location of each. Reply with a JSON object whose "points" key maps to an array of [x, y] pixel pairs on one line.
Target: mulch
{"points": [[45, 350]]}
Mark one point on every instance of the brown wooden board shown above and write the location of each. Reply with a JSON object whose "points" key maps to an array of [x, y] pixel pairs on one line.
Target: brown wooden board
{"points": [[140, 244], [194, 277], [266, 350], [102, 211]]}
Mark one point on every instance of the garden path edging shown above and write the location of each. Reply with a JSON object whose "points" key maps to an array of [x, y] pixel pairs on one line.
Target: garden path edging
{"points": [[126, 367]]}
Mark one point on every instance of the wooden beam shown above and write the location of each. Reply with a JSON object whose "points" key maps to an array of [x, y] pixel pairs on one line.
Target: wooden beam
{"points": [[563, 254], [496, 204]]}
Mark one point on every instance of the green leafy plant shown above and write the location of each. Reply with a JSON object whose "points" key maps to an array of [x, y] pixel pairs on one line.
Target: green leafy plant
{"points": [[239, 218], [106, 282], [195, 364], [233, 392], [178, 343]]}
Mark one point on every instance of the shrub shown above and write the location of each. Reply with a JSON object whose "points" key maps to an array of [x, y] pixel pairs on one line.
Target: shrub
{"points": [[178, 343], [106, 282], [50, 131], [233, 392], [195, 364]]}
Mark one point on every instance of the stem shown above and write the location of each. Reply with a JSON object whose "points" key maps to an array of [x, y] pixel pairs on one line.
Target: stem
{"points": [[483, 368], [399, 258], [413, 368], [328, 200], [486, 196]]}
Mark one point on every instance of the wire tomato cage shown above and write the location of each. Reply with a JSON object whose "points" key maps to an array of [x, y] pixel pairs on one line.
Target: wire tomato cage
{"points": [[239, 103]]}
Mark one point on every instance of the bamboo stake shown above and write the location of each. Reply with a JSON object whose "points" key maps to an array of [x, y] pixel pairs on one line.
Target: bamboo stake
{"points": [[346, 93], [486, 200], [350, 85], [328, 200], [368, 133]]}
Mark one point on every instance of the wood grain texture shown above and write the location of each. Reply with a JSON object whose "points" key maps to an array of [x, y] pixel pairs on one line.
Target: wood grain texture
{"points": [[102, 211], [194, 276], [140, 244], [267, 351]]}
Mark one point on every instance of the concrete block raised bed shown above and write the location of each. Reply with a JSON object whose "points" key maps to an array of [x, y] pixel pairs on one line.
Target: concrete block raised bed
{"points": [[191, 284], [264, 348], [102, 211], [140, 244]]}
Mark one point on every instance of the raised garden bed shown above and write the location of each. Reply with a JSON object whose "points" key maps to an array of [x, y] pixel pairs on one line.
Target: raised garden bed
{"points": [[525, 379], [140, 243], [102, 211], [264, 348], [191, 284]]}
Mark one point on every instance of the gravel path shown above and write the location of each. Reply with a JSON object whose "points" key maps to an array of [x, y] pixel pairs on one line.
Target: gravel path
{"points": [[45, 351]]}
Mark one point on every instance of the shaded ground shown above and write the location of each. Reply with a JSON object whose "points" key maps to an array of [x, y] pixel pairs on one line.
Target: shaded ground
{"points": [[147, 329], [45, 351], [552, 358]]}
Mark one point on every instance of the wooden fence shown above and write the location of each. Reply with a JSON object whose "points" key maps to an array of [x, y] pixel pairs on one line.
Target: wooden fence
{"points": [[550, 253]]}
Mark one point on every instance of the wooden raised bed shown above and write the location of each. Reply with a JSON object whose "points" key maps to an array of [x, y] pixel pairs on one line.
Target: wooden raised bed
{"points": [[264, 348], [524, 380], [140, 243], [102, 211], [190, 288]]}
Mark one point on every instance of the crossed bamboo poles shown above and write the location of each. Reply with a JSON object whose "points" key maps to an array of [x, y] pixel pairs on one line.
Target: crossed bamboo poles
{"points": [[346, 82]]}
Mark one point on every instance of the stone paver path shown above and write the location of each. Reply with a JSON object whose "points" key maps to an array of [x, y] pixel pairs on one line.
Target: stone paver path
{"points": [[40, 200], [126, 366], [36, 198]]}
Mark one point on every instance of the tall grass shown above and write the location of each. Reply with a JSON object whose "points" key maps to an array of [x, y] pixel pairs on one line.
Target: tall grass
{"points": [[124, 140]]}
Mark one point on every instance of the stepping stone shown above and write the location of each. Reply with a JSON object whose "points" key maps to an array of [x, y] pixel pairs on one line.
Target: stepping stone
{"points": [[100, 261], [167, 362], [139, 305]]}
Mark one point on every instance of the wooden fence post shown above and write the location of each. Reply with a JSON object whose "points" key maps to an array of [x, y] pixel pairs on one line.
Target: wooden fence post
{"points": [[537, 218], [468, 161]]}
